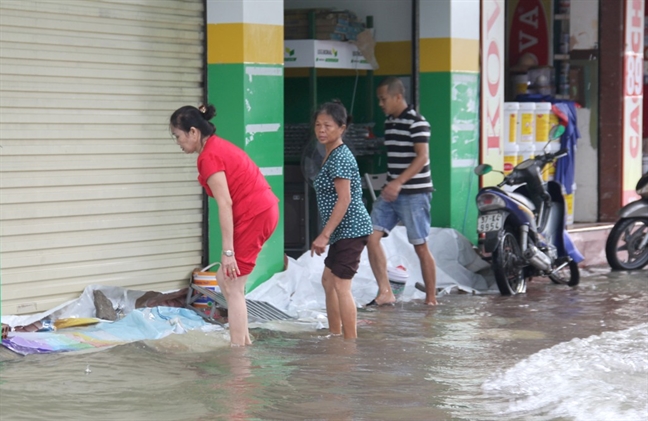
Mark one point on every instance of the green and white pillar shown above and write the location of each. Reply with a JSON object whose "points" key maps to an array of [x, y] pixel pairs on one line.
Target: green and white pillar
{"points": [[245, 83], [449, 100]]}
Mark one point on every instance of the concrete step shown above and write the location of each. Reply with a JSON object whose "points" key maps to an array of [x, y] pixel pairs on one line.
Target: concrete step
{"points": [[589, 239]]}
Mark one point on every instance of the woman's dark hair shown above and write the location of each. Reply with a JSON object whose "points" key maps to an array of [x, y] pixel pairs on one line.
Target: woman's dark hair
{"points": [[184, 118], [336, 110]]}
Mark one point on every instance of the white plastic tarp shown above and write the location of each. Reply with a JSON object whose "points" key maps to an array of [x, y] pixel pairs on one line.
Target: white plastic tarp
{"points": [[298, 291]]}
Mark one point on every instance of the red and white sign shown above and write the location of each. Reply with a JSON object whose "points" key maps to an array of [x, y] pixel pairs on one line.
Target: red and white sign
{"points": [[529, 37], [492, 98], [632, 97]]}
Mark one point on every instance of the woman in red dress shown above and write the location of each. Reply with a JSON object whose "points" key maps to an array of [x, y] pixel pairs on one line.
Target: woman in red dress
{"points": [[248, 211]]}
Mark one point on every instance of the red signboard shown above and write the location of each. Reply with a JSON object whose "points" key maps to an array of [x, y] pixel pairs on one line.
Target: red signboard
{"points": [[492, 84], [529, 35], [632, 101]]}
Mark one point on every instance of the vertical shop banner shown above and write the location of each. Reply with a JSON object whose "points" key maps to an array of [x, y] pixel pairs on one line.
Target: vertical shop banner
{"points": [[492, 87], [632, 98], [529, 35]]}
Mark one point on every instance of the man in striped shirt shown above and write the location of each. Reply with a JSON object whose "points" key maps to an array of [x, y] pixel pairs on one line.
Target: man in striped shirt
{"points": [[407, 195]]}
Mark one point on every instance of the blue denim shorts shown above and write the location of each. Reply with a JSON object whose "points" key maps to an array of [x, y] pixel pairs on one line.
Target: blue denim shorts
{"points": [[413, 210]]}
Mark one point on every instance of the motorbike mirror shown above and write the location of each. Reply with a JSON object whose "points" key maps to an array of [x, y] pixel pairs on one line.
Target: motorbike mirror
{"points": [[483, 169], [556, 131]]}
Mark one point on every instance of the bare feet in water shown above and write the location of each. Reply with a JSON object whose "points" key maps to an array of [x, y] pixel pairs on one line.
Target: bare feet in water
{"points": [[430, 301]]}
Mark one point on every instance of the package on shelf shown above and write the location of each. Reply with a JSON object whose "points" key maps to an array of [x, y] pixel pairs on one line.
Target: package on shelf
{"points": [[330, 24]]}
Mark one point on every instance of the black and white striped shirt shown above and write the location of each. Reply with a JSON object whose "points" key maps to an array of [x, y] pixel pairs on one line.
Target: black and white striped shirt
{"points": [[401, 133]]}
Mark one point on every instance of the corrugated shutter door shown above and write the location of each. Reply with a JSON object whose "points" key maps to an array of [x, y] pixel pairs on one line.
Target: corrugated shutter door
{"points": [[93, 189]]}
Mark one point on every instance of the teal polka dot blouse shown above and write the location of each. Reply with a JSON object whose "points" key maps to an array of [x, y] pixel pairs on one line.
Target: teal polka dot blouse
{"points": [[356, 222]]}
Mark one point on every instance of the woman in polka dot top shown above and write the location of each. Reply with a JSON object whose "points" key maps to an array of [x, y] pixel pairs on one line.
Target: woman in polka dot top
{"points": [[347, 224]]}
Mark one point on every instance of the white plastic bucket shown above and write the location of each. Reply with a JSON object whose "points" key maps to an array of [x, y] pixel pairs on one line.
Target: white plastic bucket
{"points": [[526, 130], [569, 202], [542, 124], [550, 170], [511, 149], [398, 277], [526, 127], [397, 273]]}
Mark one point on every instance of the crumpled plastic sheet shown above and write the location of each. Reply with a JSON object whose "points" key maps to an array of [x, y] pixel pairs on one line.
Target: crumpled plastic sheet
{"points": [[298, 291], [123, 300]]}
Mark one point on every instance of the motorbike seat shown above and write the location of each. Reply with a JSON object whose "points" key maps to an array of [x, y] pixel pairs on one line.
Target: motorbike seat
{"points": [[522, 199]]}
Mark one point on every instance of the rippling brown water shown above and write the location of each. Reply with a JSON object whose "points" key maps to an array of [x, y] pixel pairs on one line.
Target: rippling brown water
{"points": [[411, 362]]}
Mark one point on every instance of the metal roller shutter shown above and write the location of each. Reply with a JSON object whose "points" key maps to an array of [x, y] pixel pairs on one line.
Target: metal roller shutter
{"points": [[93, 189]]}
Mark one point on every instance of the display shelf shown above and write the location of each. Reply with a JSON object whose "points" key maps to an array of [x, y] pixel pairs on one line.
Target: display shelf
{"points": [[310, 53]]}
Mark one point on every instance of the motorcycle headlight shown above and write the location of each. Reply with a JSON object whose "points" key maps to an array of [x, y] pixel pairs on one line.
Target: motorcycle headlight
{"points": [[489, 201]]}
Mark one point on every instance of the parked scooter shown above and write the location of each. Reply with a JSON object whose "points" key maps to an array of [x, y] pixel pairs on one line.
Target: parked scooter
{"points": [[523, 232], [627, 245]]}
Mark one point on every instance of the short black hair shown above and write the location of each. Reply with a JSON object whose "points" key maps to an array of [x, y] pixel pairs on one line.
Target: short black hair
{"points": [[394, 85]]}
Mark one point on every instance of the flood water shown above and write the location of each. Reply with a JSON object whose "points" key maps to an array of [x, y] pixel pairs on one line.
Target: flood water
{"points": [[554, 353]]}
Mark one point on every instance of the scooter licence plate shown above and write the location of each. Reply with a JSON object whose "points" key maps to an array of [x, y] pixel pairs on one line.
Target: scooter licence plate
{"points": [[489, 222]]}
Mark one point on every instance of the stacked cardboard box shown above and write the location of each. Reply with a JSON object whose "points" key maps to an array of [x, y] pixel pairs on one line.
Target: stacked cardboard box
{"points": [[330, 24]]}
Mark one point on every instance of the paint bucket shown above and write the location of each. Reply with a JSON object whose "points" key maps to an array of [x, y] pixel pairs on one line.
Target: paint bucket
{"points": [[398, 277], [549, 173], [526, 130], [569, 202], [511, 149], [204, 278], [542, 125]]}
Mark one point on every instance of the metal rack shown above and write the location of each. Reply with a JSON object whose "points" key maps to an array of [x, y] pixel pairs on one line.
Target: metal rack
{"points": [[258, 310]]}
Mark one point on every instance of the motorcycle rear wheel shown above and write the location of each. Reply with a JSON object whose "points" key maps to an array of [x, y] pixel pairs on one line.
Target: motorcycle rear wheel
{"points": [[569, 275], [621, 245], [509, 274]]}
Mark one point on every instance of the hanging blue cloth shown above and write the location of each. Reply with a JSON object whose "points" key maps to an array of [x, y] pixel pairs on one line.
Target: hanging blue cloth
{"points": [[565, 167]]}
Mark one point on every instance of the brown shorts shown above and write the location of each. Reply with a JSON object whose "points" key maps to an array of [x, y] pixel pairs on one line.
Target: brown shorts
{"points": [[344, 256]]}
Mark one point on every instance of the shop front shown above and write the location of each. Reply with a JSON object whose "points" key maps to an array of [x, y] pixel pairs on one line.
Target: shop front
{"points": [[562, 51], [90, 194], [433, 47]]}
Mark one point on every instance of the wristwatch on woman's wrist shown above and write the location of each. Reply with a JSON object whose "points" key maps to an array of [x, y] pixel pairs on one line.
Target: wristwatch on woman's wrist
{"points": [[228, 253]]}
